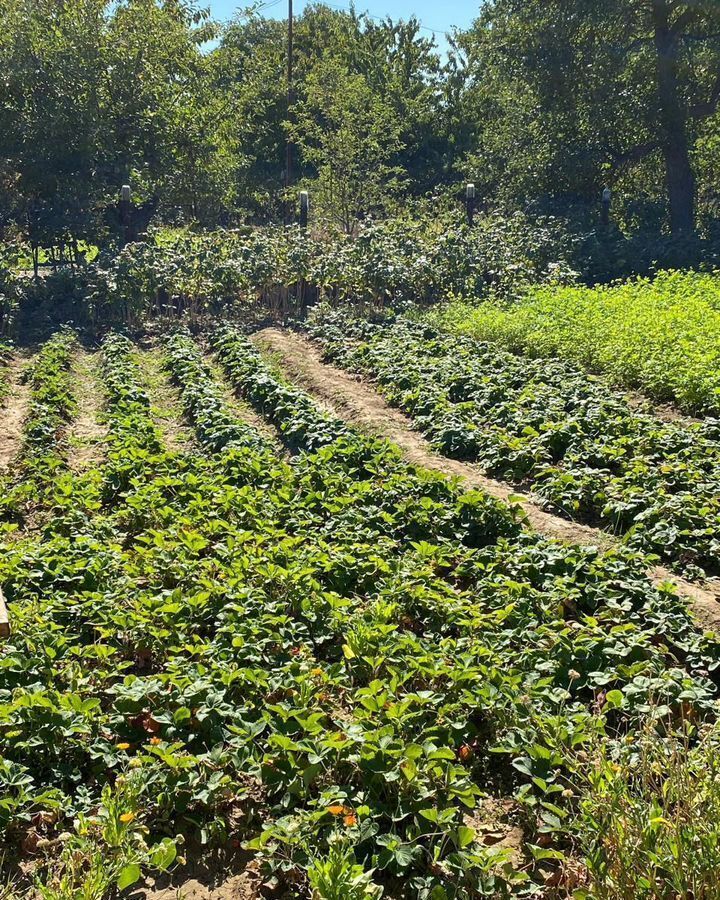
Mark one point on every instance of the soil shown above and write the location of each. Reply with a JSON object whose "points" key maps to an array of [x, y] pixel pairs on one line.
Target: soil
{"points": [[87, 435], [666, 412], [13, 411], [210, 878], [358, 403], [496, 823], [165, 402]]}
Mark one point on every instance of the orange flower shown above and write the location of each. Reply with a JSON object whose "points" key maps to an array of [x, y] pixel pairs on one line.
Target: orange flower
{"points": [[127, 817], [336, 810], [155, 741], [350, 819]]}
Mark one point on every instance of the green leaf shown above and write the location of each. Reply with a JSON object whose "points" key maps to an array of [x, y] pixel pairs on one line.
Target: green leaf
{"points": [[128, 876], [465, 836]]}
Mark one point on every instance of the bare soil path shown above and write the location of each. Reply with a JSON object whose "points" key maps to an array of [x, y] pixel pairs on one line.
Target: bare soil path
{"points": [[87, 434], [165, 402], [358, 403], [209, 877], [13, 410]]}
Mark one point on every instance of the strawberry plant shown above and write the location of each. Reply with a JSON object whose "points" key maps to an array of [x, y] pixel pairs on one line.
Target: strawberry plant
{"points": [[334, 659], [545, 426]]}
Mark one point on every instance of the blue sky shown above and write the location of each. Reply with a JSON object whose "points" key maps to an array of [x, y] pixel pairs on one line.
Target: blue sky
{"points": [[440, 17]]}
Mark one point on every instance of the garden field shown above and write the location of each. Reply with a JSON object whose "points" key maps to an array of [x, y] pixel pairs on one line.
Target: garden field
{"points": [[359, 451], [581, 447], [661, 336], [252, 643]]}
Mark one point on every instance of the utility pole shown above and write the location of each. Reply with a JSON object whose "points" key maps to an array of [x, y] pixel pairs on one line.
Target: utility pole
{"points": [[289, 147]]}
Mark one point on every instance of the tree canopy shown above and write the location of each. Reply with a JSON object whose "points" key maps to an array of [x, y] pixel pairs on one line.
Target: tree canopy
{"points": [[541, 103]]}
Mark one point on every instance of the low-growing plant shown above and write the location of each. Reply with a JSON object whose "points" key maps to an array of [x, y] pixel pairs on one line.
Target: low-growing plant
{"points": [[660, 335], [544, 425]]}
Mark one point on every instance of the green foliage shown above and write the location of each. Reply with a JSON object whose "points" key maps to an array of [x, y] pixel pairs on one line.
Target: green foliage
{"points": [[101, 94], [557, 113], [661, 336], [649, 818], [283, 269], [546, 426], [339, 877], [349, 136], [333, 659]]}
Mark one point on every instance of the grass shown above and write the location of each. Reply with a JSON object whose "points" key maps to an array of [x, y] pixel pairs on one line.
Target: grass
{"points": [[660, 336], [651, 818]]}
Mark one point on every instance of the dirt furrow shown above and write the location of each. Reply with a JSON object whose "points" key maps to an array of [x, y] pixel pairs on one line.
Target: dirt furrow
{"points": [[360, 404], [87, 434], [165, 402], [13, 410]]}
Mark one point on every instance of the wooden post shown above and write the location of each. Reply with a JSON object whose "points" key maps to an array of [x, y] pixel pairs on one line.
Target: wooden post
{"points": [[4, 618], [126, 212], [304, 208], [605, 214], [470, 203]]}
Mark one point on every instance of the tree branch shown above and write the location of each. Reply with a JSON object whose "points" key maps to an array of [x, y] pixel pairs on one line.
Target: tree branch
{"points": [[635, 154]]}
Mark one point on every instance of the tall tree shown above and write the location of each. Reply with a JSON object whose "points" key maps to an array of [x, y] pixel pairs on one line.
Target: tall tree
{"points": [[599, 87]]}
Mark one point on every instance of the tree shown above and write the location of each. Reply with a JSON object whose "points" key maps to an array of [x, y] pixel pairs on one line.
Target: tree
{"points": [[599, 88], [349, 136], [97, 94]]}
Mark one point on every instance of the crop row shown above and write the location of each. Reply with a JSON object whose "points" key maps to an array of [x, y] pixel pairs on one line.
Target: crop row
{"points": [[202, 398], [128, 404], [52, 401], [297, 416], [336, 659], [549, 427], [43, 455], [661, 335]]}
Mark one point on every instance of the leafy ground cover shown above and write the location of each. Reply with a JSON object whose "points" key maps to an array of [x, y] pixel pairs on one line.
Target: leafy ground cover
{"points": [[44, 451], [661, 335], [548, 426], [342, 662]]}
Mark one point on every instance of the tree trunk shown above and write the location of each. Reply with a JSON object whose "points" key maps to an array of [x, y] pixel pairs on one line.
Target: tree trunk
{"points": [[679, 175]]}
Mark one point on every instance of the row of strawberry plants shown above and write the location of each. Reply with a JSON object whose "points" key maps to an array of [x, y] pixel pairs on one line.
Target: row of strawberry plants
{"points": [[127, 402], [52, 399], [579, 446], [347, 651], [299, 419], [43, 455], [202, 398]]}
